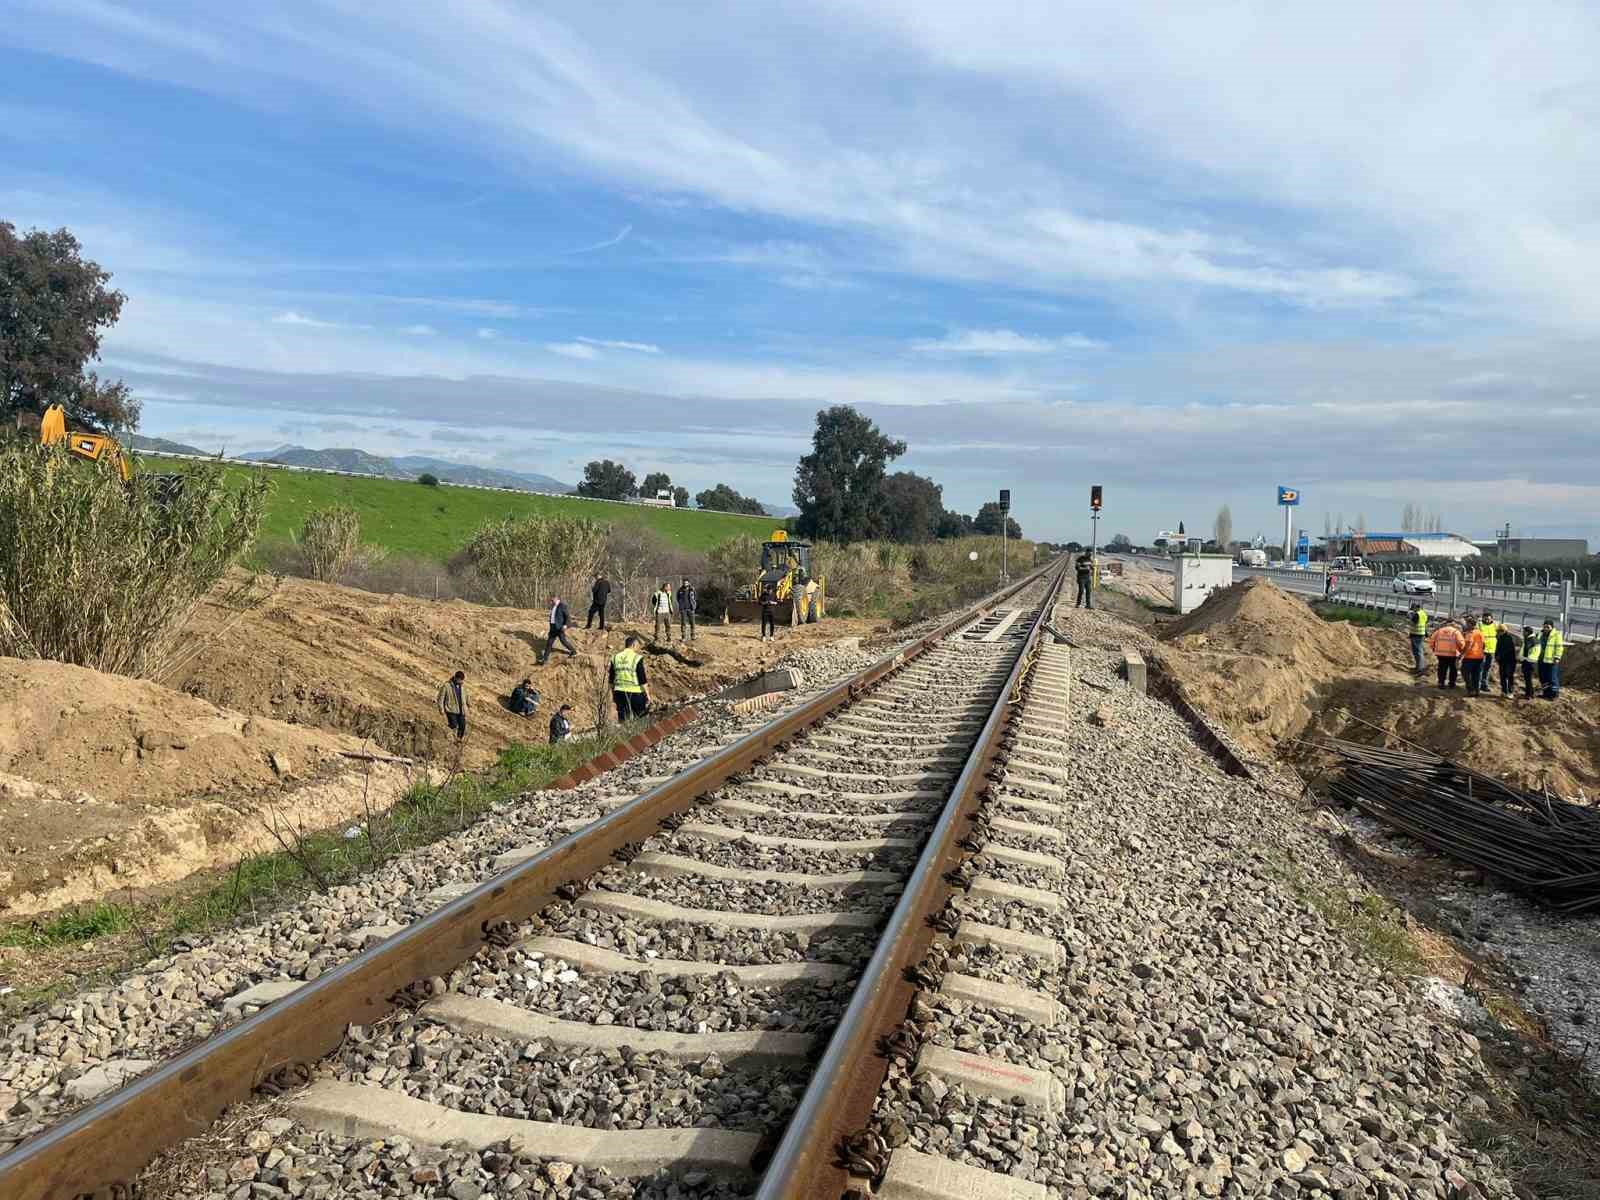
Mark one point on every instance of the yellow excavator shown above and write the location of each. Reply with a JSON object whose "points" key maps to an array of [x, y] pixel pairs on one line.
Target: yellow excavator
{"points": [[785, 576], [96, 447]]}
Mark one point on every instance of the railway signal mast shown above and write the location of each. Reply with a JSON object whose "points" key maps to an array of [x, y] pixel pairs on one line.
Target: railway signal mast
{"points": [[1005, 519], [1095, 495]]}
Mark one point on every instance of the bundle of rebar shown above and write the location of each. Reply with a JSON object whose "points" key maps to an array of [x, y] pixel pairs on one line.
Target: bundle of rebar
{"points": [[1542, 845]]}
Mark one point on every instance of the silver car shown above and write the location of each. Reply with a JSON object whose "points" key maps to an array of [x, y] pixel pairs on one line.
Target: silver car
{"points": [[1414, 583]]}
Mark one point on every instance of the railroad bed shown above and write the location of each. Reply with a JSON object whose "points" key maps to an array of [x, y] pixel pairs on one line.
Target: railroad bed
{"points": [[996, 928]]}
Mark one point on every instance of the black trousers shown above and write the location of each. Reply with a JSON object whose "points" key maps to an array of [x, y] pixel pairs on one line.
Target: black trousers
{"points": [[550, 641], [596, 609], [457, 723], [1447, 670], [630, 705], [1508, 675], [1530, 672], [769, 620], [1085, 593]]}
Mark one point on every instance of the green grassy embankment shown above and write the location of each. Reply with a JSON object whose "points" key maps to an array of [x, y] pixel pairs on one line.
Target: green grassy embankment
{"points": [[434, 522]]}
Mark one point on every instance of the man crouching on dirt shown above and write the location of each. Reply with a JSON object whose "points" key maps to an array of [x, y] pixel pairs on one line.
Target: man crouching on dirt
{"points": [[628, 682]]}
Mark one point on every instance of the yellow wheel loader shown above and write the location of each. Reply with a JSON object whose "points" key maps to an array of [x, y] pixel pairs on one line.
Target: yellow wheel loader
{"points": [[93, 446], [785, 575]]}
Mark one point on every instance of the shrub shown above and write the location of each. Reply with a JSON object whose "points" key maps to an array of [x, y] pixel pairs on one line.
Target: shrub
{"points": [[330, 540], [103, 574], [521, 560], [428, 479]]}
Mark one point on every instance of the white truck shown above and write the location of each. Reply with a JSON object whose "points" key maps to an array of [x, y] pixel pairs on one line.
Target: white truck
{"points": [[1252, 558]]}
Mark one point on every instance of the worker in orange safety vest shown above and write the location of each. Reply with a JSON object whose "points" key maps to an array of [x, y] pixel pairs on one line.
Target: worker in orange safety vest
{"points": [[1447, 645]]}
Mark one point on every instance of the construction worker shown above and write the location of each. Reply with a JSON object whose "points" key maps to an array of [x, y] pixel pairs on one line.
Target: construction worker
{"points": [[1084, 568], [1530, 660], [1491, 642], [628, 682], [769, 611], [661, 607], [1419, 637], [812, 588], [1472, 659], [1505, 660], [1550, 651], [453, 704], [1447, 645]]}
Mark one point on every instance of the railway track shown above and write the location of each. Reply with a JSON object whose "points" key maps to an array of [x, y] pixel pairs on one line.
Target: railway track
{"points": [[693, 986]]}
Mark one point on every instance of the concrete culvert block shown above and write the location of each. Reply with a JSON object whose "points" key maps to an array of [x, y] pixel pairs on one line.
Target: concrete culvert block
{"points": [[783, 679], [1133, 670]]}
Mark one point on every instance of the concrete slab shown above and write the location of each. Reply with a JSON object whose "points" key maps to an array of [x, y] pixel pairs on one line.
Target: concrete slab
{"points": [[1013, 941], [1024, 858], [830, 775], [1006, 622], [652, 862], [988, 888], [745, 808], [986, 1076], [262, 994], [1133, 670], [353, 1110], [495, 1018], [913, 1175], [1037, 1007], [656, 910], [449, 891], [107, 1077], [1011, 799], [601, 961], [1046, 833], [726, 833], [789, 789]]}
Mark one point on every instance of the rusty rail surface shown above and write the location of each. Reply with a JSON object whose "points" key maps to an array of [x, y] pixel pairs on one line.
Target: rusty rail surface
{"points": [[98, 1151], [838, 1102]]}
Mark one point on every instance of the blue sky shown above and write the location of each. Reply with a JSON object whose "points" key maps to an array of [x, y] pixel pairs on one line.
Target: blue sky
{"points": [[1186, 254]]}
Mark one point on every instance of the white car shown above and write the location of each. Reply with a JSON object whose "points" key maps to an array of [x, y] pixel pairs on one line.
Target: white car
{"points": [[1414, 583]]}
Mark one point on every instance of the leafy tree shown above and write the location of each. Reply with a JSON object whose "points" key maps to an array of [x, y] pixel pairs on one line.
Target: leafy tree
{"points": [[1122, 542], [987, 522], [680, 497], [428, 479], [54, 306], [724, 499], [654, 482], [1222, 527], [606, 480], [954, 525], [840, 486], [915, 506]]}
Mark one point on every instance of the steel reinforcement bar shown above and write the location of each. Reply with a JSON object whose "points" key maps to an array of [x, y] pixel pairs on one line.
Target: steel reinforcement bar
{"points": [[839, 1100], [98, 1151]]}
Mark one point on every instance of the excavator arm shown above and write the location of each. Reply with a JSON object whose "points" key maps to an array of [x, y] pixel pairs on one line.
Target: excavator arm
{"points": [[93, 446]]}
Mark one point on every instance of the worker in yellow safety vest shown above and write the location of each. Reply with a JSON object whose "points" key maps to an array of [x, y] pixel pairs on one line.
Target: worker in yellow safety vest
{"points": [[1550, 650], [1419, 638], [628, 682], [1491, 640]]}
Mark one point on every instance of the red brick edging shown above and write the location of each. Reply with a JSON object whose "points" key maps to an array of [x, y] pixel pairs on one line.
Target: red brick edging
{"points": [[615, 757]]}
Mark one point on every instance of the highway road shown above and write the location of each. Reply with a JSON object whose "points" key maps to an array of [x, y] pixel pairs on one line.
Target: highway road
{"points": [[1513, 605]]}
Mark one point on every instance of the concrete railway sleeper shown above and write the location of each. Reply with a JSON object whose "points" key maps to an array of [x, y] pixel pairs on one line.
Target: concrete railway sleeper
{"points": [[593, 1015]]}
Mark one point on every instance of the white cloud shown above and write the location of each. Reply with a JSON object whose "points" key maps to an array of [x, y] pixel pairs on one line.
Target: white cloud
{"points": [[996, 342], [577, 349], [640, 347], [296, 318], [420, 330], [616, 240], [488, 335]]}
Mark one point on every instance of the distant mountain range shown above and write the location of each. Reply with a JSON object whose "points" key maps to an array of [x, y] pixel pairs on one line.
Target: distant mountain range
{"points": [[404, 467], [408, 467]]}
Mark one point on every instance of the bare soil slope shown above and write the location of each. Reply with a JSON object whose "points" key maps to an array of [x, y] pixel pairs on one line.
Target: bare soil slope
{"points": [[371, 665], [108, 782], [1267, 668]]}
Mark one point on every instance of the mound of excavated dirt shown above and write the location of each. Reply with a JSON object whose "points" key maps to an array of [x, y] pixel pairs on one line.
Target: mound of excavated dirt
{"points": [[1263, 665], [108, 782], [371, 665], [1580, 666]]}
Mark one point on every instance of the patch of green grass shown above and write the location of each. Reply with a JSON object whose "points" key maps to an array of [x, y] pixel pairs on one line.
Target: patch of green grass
{"points": [[1372, 924], [1356, 616], [310, 861], [434, 522]]}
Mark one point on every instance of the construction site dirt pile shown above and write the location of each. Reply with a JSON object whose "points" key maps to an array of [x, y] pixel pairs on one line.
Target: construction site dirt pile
{"points": [[371, 665], [108, 782], [1580, 667], [1274, 674]]}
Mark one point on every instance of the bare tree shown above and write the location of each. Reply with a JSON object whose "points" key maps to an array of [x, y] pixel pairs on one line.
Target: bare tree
{"points": [[1222, 527]]}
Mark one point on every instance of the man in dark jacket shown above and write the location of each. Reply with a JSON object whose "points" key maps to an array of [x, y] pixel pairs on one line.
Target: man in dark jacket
{"points": [[1505, 657], [561, 724], [598, 599], [525, 699], [769, 611], [688, 602], [560, 618], [1085, 572]]}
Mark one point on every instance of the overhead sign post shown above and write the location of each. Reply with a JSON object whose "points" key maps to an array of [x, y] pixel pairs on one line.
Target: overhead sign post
{"points": [[1288, 498]]}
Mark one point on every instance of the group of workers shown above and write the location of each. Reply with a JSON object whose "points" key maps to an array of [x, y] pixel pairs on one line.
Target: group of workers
{"points": [[452, 701], [1475, 645]]}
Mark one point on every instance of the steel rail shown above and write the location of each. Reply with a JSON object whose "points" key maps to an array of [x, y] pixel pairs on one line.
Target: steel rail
{"points": [[97, 1151], [840, 1098]]}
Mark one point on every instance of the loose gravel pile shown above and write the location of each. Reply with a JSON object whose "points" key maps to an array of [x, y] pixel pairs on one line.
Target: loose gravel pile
{"points": [[1217, 1035]]}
